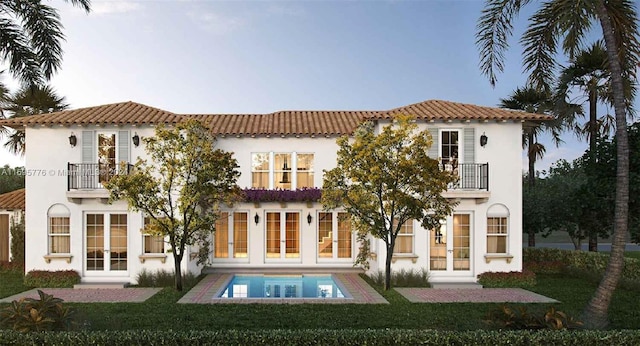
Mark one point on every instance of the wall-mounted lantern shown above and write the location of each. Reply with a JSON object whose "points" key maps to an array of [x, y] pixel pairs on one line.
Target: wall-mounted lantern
{"points": [[136, 139], [256, 219], [309, 218], [483, 139], [73, 140]]}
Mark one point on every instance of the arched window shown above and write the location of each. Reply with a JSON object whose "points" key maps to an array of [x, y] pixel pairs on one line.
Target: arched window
{"points": [[58, 229], [497, 229]]}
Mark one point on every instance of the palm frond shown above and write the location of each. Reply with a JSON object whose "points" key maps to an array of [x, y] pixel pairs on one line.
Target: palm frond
{"points": [[494, 28], [23, 62]]}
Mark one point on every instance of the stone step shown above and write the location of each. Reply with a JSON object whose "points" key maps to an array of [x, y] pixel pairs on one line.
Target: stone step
{"points": [[101, 285], [454, 285]]}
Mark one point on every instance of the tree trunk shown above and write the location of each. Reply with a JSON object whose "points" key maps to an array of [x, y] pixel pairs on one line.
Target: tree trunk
{"points": [[531, 155], [177, 259], [387, 268], [596, 311], [593, 141]]}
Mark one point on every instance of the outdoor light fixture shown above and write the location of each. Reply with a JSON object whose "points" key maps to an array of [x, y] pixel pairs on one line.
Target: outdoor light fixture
{"points": [[73, 140], [136, 139], [309, 218], [285, 175], [483, 139], [256, 219]]}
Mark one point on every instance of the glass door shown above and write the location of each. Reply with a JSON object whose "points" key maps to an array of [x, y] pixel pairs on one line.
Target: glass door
{"points": [[450, 245], [282, 235], [107, 162], [106, 239], [230, 238], [335, 239]]}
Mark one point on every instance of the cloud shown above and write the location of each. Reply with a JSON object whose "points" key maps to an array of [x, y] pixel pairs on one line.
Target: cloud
{"points": [[114, 7]]}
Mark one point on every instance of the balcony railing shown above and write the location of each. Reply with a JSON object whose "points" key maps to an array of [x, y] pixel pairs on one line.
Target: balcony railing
{"points": [[471, 176], [91, 176]]}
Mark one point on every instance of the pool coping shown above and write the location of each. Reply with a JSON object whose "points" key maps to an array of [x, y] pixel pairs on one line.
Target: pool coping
{"points": [[210, 286]]}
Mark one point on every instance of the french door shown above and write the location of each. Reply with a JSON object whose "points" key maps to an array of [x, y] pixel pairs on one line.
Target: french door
{"points": [[335, 239], [282, 239], [106, 239], [231, 237], [450, 245]]}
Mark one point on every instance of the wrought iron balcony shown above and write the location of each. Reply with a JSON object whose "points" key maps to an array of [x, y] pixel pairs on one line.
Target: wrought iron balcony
{"points": [[91, 176], [471, 176]]}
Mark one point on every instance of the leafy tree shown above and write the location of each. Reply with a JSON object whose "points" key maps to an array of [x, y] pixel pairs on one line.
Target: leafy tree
{"points": [[11, 179], [385, 180], [569, 21], [535, 211], [31, 35], [181, 189], [29, 100], [531, 100], [17, 240]]}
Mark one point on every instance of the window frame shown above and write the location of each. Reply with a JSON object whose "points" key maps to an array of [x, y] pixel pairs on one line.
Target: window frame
{"points": [[51, 235], [274, 171], [146, 235], [406, 225], [503, 225]]}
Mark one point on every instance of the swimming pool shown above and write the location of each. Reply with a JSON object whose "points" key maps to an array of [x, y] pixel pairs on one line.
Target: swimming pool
{"points": [[283, 286]]}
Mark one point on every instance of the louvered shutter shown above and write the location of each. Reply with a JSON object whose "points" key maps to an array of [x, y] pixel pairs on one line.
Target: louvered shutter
{"points": [[433, 150], [123, 146], [469, 174], [88, 151]]}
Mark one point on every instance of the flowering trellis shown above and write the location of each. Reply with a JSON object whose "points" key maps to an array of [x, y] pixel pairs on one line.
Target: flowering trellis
{"points": [[278, 195]]}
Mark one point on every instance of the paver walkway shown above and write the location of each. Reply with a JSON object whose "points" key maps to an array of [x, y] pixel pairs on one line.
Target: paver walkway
{"points": [[91, 295], [472, 295], [207, 289]]}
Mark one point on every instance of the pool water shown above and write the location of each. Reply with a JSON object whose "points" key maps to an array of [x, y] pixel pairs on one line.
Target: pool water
{"points": [[280, 286]]}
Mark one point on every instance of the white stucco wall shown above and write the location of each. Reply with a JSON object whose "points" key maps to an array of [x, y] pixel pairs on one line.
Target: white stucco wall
{"points": [[48, 152]]}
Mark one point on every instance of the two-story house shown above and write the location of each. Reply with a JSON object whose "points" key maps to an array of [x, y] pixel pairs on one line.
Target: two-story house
{"points": [[70, 225]]}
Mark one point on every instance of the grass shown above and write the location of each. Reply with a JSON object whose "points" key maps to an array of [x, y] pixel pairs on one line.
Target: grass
{"points": [[11, 283], [162, 313]]}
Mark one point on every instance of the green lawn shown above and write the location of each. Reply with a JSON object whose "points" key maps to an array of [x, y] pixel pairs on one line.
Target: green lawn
{"points": [[162, 313]]}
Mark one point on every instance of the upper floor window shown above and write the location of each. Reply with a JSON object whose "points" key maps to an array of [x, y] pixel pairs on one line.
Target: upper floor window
{"points": [[287, 171], [450, 147]]}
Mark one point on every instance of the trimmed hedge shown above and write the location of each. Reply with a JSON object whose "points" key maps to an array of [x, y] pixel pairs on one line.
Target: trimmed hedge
{"points": [[325, 337], [523, 279], [57, 279], [582, 261], [11, 267]]}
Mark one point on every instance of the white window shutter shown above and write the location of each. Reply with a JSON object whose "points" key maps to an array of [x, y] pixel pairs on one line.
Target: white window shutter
{"points": [[88, 150], [123, 146], [469, 145], [433, 150]]}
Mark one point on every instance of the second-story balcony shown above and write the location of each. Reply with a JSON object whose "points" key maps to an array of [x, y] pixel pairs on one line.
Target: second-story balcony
{"points": [[473, 181], [86, 180]]}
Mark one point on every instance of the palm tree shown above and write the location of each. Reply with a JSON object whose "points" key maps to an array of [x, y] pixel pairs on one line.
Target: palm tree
{"points": [[534, 101], [30, 101], [567, 22], [31, 35], [588, 72]]}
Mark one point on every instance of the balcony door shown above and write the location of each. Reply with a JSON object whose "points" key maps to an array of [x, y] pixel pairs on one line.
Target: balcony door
{"points": [[107, 156], [450, 246], [106, 244], [282, 236], [335, 239]]}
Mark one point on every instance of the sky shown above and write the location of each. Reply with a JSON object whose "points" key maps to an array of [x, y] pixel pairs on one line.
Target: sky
{"points": [[264, 56]]}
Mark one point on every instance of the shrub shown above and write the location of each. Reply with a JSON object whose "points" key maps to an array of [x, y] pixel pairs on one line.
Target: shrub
{"points": [[546, 267], [11, 267], [30, 315], [403, 278], [45, 278], [505, 317], [583, 262], [279, 195], [17, 241], [327, 337], [524, 279], [164, 278]]}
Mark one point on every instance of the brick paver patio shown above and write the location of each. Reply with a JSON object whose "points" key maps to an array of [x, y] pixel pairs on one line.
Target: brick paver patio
{"points": [[472, 295], [91, 295]]}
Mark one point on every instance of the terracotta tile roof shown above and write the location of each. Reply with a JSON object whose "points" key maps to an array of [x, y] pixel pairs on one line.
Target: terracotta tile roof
{"points": [[116, 113], [309, 123], [281, 123], [12, 200], [446, 110]]}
